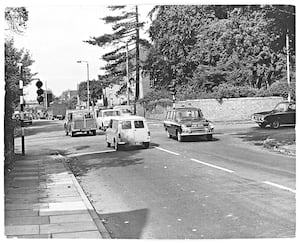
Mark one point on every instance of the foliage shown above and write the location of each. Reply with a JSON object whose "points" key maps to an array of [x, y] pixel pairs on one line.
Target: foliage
{"points": [[16, 19], [202, 47], [96, 88], [281, 89]]}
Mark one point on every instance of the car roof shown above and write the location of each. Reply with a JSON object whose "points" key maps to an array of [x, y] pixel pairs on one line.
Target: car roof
{"points": [[186, 108], [110, 110], [129, 117]]}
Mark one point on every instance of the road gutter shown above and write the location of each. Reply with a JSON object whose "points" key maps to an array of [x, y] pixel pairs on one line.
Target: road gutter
{"points": [[101, 228]]}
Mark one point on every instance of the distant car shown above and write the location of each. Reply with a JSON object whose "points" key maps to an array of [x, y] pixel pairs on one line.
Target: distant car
{"points": [[187, 121], [27, 117], [124, 109], [284, 113], [128, 130], [80, 121], [104, 117]]}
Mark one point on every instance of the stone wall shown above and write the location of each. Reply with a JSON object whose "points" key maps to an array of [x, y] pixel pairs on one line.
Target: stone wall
{"points": [[234, 109]]}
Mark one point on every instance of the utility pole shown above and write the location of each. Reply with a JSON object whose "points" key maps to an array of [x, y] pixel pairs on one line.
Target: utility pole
{"points": [[127, 74], [288, 66], [46, 97], [137, 59], [22, 107]]}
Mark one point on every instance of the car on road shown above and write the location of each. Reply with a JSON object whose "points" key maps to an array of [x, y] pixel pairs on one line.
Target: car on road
{"points": [[184, 121], [80, 121], [124, 109], [104, 117], [283, 114], [128, 130]]}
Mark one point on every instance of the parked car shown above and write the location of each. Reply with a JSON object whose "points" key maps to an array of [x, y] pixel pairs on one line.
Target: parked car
{"points": [[80, 121], [104, 117], [183, 121], [284, 113], [124, 109], [128, 130], [27, 117]]}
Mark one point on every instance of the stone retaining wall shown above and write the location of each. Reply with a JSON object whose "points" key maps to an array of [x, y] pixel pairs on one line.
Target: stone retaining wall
{"points": [[234, 109]]}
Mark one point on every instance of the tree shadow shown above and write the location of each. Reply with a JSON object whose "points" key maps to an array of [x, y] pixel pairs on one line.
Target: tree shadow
{"points": [[125, 225]]}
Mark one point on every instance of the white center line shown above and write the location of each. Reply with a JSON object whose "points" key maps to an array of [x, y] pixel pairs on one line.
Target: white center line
{"points": [[171, 152], [89, 153], [213, 166], [280, 186]]}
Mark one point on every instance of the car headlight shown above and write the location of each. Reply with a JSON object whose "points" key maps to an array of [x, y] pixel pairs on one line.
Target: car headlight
{"points": [[185, 129]]}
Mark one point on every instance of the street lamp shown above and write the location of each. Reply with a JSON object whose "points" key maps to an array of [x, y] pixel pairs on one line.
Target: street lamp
{"points": [[87, 82]]}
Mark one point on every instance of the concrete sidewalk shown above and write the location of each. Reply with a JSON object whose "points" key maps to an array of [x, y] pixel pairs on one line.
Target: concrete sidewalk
{"points": [[44, 200]]}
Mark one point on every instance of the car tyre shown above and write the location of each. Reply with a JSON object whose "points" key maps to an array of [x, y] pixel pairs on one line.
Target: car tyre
{"points": [[146, 145], [116, 145], [262, 125], [169, 135], [275, 124], [94, 132], [179, 137]]}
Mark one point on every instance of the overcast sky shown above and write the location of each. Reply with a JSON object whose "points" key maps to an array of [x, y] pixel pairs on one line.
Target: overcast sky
{"points": [[54, 37]]}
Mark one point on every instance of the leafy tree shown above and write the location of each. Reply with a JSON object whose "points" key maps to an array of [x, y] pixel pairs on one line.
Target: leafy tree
{"points": [[96, 88], [16, 20], [201, 47]]}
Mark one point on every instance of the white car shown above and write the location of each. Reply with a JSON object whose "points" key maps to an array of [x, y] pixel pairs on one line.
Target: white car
{"points": [[125, 110], [128, 130], [104, 117]]}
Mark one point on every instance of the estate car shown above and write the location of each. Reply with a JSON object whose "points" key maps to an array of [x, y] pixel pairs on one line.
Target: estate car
{"points": [[182, 122], [284, 113]]}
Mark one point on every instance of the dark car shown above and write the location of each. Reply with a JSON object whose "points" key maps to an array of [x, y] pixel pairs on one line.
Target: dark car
{"points": [[182, 122], [284, 113]]}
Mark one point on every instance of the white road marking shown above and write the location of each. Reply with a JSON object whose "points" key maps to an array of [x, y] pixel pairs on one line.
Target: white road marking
{"points": [[171, 152], [213, 166], [280, 186], [89, 153]]}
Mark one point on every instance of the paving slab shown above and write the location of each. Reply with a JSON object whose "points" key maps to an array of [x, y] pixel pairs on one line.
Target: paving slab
{"points": [[63, 212], [85, 235], [70, 218], [30, 206], [24, 213], [68, 227], [75, 198], [11, 230], [36, 220], [39, 236]]}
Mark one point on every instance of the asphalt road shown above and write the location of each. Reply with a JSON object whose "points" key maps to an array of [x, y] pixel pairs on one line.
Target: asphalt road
{"points": [[225, 188]]}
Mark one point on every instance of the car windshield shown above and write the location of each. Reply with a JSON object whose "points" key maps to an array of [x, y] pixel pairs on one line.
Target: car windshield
{"points": [[189, 114], [125, 111], [281, 107], [81, 115], [111, 113]]}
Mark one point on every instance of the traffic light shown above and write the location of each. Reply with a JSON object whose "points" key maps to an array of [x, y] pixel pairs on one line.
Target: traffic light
{"points": [[172, 88], [40, 91]]}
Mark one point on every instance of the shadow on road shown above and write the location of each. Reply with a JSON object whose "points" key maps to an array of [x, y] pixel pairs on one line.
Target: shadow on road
{"points": [[283, 135], [126, 225]]}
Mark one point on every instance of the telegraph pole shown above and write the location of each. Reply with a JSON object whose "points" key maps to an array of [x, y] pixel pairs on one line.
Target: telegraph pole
{"points": [[127, 74], [22, 107], [137, 59], [288, 66]]}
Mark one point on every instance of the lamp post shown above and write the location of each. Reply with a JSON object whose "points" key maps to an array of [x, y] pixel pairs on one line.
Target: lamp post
{"points": [[87, 82]]}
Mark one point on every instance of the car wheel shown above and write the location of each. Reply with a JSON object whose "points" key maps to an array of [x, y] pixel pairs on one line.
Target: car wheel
{"points": [[262, 125], [169, 135], [209, 137], [146, 145], [275, 124], [116, 145], [94, 132], [179, 137]]}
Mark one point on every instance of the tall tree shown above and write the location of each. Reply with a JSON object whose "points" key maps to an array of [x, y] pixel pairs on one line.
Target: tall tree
{"points": [[16, 19], [126, 27]]}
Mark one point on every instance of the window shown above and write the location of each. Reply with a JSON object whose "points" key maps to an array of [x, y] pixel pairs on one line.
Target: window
{"points": [[114, 124], [138, 124], [126, 125], [111, 113]]}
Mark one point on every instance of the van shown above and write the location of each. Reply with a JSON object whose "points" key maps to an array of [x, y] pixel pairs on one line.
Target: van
{"points": [[128, 130]]}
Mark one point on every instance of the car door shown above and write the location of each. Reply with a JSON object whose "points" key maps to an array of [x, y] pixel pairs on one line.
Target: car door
{"points": [[291, 114], [140, 131]]}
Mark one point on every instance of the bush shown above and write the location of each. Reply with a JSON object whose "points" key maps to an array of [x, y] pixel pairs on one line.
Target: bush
{"points": [[281, 88]]}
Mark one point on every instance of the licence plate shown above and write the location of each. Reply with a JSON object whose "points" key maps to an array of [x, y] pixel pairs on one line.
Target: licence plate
{"points": [[138, 143]]}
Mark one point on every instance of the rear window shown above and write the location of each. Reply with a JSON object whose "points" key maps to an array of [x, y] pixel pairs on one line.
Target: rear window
{"points": [[111, 113], [138, 124], [126, 125]]}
